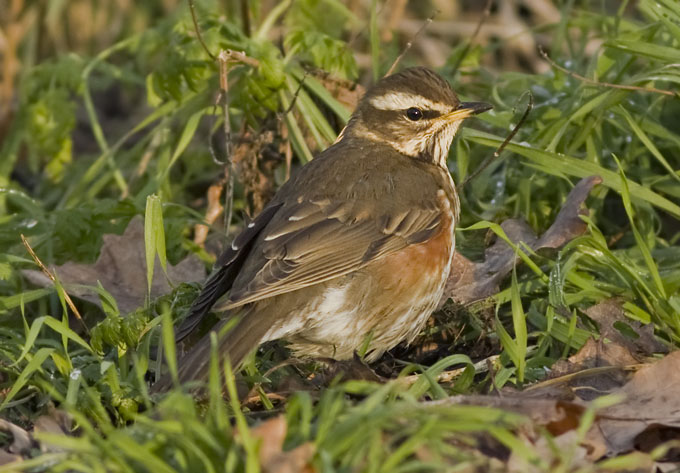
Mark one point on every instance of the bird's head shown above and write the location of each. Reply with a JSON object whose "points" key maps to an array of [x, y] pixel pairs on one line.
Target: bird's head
{"points": [[415, 112]]}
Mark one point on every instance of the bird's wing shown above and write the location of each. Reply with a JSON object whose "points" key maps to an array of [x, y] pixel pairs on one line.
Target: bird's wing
{"points": [[227, 269], [308, 242]]}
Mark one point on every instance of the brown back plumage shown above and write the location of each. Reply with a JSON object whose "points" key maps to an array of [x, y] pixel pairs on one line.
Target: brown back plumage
{"points": [[382, 188]]}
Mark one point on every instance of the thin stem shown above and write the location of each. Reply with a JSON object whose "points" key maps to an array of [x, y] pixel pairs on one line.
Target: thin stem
{"points": [[482, 19], [500, 149], [192, 8], [224, 59], [52, 278], [410, 43]]}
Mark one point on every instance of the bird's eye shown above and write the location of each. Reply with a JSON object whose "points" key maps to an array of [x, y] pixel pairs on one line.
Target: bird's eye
{"points": [[414, 114]]}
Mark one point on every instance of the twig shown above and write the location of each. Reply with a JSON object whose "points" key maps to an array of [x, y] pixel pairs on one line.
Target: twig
{"points": [[500, 149], [410, 43], [614, 239], [603, 84], [239, 56], [225, 57], [482, 19], [223, 60], [253, 400], [252, 393], [446, 376], [211, 146], [49, 274], [198, 30], [295, 95], [599, 370]]}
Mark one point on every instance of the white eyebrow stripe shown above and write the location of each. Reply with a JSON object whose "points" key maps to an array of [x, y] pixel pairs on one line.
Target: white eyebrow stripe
{"points": [[402, 101]]}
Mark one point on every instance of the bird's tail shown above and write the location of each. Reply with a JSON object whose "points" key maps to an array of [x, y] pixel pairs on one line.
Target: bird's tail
{"points": [[234, 345]]}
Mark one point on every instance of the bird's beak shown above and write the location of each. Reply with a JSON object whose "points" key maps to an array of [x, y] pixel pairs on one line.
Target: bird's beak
{"points": [[475, 108], [466, 109]]}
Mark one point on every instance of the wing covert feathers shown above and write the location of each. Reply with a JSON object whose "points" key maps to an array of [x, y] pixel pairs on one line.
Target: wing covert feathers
{"points": [[324, 244]]}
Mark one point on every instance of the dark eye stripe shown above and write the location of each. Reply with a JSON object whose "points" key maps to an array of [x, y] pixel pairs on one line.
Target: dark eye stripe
{"points": [[431, 114]]}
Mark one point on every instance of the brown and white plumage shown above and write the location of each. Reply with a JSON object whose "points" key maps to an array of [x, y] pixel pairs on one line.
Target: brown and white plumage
{"points": [[359, 241]]}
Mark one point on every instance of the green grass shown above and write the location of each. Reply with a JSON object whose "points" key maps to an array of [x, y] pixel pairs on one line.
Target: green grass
{"points": [[63, 188]]}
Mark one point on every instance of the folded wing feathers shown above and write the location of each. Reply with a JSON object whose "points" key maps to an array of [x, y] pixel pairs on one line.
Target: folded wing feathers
{"points": [[311, 250]]}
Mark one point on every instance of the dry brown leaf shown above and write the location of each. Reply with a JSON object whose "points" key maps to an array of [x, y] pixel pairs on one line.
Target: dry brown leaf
{"points": [[557, 416], [651, 404], [583, 369], [608, 313], [121, 270], [594, 354], [469, 281], [665, 467], [273, 459], [271, 434], [50, 425], [21, 440], [549, 452], [213, 212], [294, 461], [6, 458], [648, 416], [613, 349]]}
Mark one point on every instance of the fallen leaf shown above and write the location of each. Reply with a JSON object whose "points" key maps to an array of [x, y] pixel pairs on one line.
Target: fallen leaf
{"points": [[273, 459], [648, 416], [54, 422], [651, 402], [610, 312], [469, 281], [6, 458], [271, 434], [613, 349], [293, 461], [21, 440], [549, 453], [586, 363], [120, 268], [665, 467], [561, 416], [47, 424]]}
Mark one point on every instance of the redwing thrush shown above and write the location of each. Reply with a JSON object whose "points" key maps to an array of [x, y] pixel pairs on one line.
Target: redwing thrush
{"points": [[357, 244]]}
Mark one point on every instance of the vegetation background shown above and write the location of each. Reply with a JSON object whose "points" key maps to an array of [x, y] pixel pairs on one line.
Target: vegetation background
{"points": [[112, 109]]}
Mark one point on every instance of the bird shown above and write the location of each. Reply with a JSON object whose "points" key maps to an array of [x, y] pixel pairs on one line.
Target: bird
{"points": [[355, 247]]}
